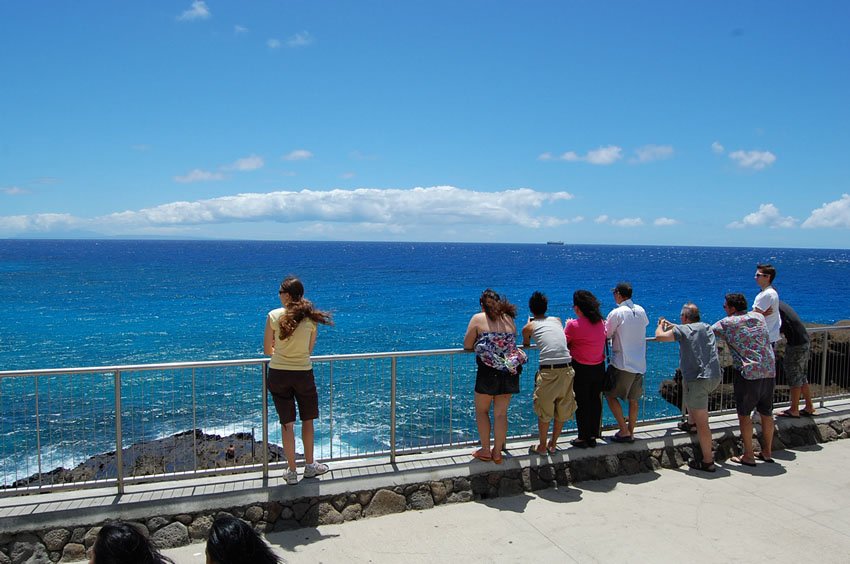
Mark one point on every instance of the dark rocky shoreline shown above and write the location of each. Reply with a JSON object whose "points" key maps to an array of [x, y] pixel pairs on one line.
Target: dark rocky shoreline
{"points": [[164, 456]]}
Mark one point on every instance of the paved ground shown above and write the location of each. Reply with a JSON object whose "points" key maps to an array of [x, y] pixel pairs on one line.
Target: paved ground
{"points": [[797, 510]]}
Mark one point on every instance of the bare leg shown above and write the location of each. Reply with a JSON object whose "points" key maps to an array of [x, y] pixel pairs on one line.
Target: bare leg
{"points": [[500, 423], [795, 400], [556, 432], [307, 434], [633, 415], [288, 432], [807, 396], [767, 436], [746, 424], [543, 432], [700, 418], [482, 419], [617, 411]]}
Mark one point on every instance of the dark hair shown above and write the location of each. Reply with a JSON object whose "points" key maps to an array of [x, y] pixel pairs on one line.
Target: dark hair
{"points": [[691, 312], [767, 269], [624, 289], [737, 302], [501, 307], [233, 541], [298, 308], [587, 303], [122, 543], [538, 304]]}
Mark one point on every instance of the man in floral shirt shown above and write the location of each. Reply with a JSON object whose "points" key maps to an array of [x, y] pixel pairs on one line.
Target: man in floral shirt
{"points": [[749, 342]]}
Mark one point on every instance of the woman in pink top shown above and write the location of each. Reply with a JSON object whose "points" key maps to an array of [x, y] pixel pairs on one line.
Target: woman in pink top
{"points": [[586, 341]]}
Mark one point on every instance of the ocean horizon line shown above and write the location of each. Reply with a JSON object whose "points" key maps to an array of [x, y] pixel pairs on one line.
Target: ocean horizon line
{"points": [[165, 239]]}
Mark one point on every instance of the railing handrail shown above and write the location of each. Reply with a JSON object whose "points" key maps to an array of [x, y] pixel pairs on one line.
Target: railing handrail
{"points": [[248, 361]]}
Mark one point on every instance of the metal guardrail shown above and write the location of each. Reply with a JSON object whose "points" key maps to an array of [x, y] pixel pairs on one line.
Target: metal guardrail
{"points": [[147, 418]]}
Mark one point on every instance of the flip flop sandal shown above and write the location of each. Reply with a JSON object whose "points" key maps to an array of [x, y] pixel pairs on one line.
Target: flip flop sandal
{"points": [[787, 413], [761, 457], [690, 428], [740, 460], [698, 464], [482, 457]]}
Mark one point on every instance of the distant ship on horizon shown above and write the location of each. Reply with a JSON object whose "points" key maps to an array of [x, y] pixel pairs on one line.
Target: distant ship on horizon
{"points": [[554, 242]]}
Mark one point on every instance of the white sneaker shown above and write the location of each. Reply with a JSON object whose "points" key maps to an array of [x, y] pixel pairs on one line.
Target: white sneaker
{"points": [[315, 469], [291, 477]]}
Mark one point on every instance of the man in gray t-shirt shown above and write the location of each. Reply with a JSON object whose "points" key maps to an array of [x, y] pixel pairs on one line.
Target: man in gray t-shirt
{"points": [[700, 367], [554, 399]]}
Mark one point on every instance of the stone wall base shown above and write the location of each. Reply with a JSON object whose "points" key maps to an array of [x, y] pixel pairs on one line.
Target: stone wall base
{"points": [[168, 531]]}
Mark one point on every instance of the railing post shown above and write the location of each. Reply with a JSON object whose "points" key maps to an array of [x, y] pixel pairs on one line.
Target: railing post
{"points": [[331, 409], [265, 420], [37, 433], [392, 409], [194, 425], [451, 397], [823, 367], [119, 448]]}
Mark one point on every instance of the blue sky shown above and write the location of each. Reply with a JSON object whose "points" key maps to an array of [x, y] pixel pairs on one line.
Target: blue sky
{"points": [[723, 123]]}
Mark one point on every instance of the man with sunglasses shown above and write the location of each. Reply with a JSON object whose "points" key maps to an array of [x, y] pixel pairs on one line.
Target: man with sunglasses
{"points": [[767, 300]]}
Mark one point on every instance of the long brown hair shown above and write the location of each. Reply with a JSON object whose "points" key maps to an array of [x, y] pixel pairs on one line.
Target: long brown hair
{"points": [[502, 306], [298, 309]]}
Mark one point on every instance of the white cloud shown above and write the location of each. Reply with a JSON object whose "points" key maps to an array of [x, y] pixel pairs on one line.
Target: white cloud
{"points": [[767, 216], [665, 221], [39, 223], [627, 222], [14, 190], [756, 160], [298, 155], [198, 175], [240, 29], [717, 148], [385, 209], [621, 222], [649, 153], [347, 175], [274, 43], [198, 11], [248, 163], [300, 39], [832, 214], [601, 156]]}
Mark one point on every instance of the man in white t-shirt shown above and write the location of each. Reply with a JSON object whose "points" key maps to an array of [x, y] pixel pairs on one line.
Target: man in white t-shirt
{"points": [[626, 327], [767, 301]]}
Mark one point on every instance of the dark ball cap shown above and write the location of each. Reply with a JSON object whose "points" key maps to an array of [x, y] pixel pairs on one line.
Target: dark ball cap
{"points": [[624, 289]]}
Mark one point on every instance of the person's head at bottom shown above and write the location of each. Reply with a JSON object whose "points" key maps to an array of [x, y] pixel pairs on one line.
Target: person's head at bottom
{"points": [[122, 543], [233, 541]]}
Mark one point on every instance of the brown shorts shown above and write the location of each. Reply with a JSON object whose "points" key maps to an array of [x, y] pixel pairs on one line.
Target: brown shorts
{"points": [[627, 386], [290, 386]]}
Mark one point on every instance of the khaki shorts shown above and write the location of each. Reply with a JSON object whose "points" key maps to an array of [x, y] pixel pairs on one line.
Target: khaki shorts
{"points": [[553, 394], [629, 385], [697, 391]]}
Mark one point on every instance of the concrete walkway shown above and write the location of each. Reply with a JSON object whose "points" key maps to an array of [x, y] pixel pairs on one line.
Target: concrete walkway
{"points": [[797, 510]]}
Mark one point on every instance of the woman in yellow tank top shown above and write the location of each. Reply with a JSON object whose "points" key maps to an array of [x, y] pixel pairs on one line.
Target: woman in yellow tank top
{"points": [[289, 339]]}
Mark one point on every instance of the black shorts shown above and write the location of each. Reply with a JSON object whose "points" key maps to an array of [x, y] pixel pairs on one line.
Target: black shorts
{"points": [[290, 386], [492, 382], [753, 394]]}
